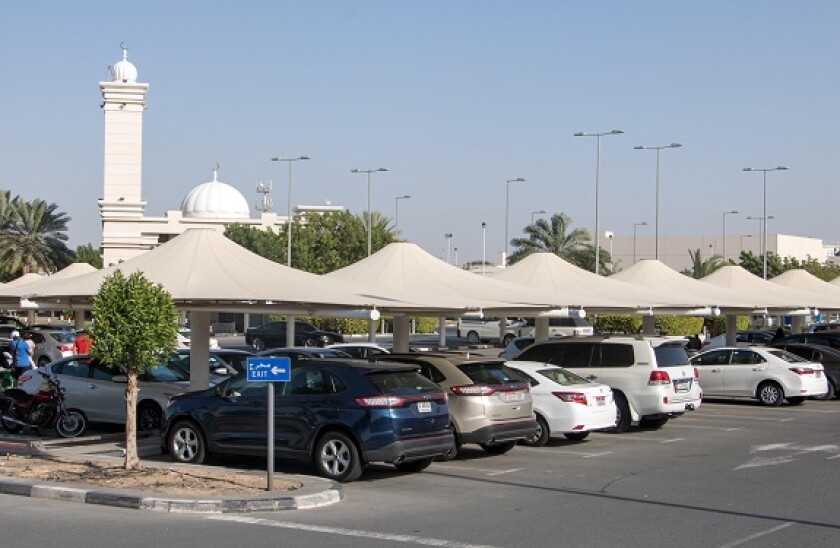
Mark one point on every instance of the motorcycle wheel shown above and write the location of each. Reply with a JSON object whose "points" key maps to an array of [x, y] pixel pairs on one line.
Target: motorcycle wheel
{"points": [[9, 426], [71, 424]]}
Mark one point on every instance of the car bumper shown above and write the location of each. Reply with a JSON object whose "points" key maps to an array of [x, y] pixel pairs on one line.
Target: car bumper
{"points": [[411, 449], [580, 418], [499, 432]]}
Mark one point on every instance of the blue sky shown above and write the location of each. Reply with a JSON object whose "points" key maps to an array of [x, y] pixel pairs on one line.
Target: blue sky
{"points": [[454, 98]]}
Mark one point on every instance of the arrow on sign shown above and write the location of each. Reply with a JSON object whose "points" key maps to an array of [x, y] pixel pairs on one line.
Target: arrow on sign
{"points": [[276, 370]]}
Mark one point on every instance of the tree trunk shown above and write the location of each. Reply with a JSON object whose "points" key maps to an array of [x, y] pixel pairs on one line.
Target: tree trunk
{"points": [[132, 460]]}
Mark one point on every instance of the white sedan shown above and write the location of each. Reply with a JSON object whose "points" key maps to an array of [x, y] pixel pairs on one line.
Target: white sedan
{"points": [[565, 403], [770, 375], [360, 350]]}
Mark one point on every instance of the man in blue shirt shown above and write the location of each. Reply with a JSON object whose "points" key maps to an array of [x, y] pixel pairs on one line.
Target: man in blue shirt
{"points": [[21, 354]]}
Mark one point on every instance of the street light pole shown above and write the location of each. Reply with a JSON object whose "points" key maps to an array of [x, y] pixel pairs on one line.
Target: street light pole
{"points": [[483, 248], [369, 222], [725, 213], [507, 215], [657, 149], [397, 211], [643, 223], [289, 205], [598, 187], [540, 212], [764, 227], [448, 237]]}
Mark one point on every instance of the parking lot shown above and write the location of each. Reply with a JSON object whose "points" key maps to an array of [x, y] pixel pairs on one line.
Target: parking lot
{"points": [[729, 474]]}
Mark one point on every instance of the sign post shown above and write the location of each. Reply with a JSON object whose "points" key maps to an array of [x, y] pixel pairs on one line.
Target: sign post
{"points": [[269, 371]]}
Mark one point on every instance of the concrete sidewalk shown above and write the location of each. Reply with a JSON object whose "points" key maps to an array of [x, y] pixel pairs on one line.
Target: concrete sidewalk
{"points": [[108, 448]]}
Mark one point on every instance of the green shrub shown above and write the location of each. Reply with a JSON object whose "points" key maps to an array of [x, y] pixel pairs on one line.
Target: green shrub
{"points": [[618, 324], [679, 325]]}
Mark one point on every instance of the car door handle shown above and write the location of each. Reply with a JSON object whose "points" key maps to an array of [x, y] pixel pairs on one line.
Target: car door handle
{"points": [[92, 386], [758, 369], [715, 370]]}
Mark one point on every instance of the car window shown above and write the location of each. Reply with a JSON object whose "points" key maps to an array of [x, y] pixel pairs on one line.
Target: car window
{"points": [[803, 352], [546, 353], [237, 361], [491, 373], [163, 373], [562, 377], [37, 338], [64, 337], [105, 372], [401, 382], [532, 381], [304, 327], [577, 355], [715, 357], [668, 355], [519, 344], [615, 355], [308, 381], [240, 387], [73, 368], [786, 356], [431, 372], [746, 357]]}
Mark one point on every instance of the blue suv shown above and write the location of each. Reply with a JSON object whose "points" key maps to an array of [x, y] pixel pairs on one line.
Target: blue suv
{"points": [[339, 415]]}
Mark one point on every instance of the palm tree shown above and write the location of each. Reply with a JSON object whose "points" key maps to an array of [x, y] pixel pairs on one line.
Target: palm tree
{"points": [[699, 267], [551, 236], [33, 238]]}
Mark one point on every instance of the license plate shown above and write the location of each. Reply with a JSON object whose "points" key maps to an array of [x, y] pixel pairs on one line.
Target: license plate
{"points": [[682, 386], [513, 396], [424, 406], [600, 401]]}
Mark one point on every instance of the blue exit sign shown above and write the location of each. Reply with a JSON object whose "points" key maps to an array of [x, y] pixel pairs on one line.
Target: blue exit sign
{"points": [[269, 369]]}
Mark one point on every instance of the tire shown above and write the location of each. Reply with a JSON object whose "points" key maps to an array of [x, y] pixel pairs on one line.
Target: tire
{"points": [[186, 443], [508, 339], [653, 423], [473, 338], [540, 437], [799, 400], [452, 453], [771, 394], [258, 344], [8, 426], [829, 395], [337, 458], [71, 425], [414, 466], [623, 419], [576, 436], [42, 361], [149, 417], [309, 341], [498, 448]]}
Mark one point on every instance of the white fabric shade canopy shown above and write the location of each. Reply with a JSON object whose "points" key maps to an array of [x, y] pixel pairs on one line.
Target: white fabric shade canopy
{"points": [[828, 294], [762, 293]]}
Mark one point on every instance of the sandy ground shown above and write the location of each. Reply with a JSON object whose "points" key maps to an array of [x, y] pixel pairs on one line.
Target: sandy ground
{"points": [[174, 481]]}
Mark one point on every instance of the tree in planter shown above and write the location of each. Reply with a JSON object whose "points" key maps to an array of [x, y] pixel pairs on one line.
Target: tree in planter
{"points": [[134, 325]]}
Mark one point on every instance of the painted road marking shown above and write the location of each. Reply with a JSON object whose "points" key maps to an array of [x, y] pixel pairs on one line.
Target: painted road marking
{"points": [[358, 533], [672, 440], [554, 450], [792, 449], [741, 417], [758, 535], [501, 472], [697, 426]]}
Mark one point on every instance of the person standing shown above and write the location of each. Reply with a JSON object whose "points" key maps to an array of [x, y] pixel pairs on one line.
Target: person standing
{"points": [[82, 343], [21, 354]]}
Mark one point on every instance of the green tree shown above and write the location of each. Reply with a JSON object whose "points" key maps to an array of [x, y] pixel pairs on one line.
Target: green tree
{"points": [[553, 236], [824, 271], [775, 265], [33, 237], [134, 326], [701, 268], [86, 253], [584, 257]]}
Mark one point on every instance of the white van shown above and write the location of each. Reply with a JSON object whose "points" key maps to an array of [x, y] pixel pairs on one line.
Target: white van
{"points": [[562, 327], [476, 328]]}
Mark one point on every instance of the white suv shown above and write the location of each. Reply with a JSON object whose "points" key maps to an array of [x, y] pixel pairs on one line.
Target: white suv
{"points": [[651, 377], [476, 328]]}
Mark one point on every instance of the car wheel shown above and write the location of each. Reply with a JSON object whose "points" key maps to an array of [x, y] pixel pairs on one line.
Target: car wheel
{"points": [[540, 437], [413, 466], [452, 453], [653, 423], [799, 400], [498, 448], [508, 339], [71, 424], [576, 436], [829, 394], [309, 341], [258, 343], [622, 414], [186, 443], [473, 338], [337, 458], [149, 417], [770, 393], [10, 426]]}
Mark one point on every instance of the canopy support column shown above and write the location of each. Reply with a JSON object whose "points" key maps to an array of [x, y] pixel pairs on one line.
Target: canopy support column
{"points": [[442, 332], [371, 330], [78, 318], [648, 325], [540, 329], [401, 332], [290, 330], [731, 329], [798, 324], [199, 350]]}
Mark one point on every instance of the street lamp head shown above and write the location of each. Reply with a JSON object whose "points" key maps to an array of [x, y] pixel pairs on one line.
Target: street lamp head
{"points": [[674, 145], [403, 197], [382, 169], [639, 147], [580, 134], [483, 224], [304, 158], [447, 235], [617, 132], [733, 212], [781, 168], [517, 180], [354, 170]]}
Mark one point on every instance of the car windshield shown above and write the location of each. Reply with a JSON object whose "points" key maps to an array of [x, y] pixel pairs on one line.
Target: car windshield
{"points": [[562, 376], [668, 355], [402, 382], [787, 356], [491, 373], [165, 373]]}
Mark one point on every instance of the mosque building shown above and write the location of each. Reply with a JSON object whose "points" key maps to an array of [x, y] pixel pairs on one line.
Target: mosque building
{"points": [[126, 230]]}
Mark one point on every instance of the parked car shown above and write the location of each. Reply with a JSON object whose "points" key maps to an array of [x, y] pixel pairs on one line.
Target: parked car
{"points": [[490, 403], [304, 353], [476, 328], [742, 338], [360, 350], [563, 327], [565, 403], [338, 415], [52, 327], [827, 356], [97, 389], [645, 390], [51, 345], [273, 335], [13, 322], [223, 363], [822, 338], [515, 347], [184, 339], [769, 375]]}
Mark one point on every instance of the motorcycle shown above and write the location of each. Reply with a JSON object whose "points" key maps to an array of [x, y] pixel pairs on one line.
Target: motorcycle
{"points": [[47, 408]]}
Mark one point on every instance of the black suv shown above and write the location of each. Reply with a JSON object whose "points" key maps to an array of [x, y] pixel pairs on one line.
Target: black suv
{"points": [[273, 334], [823, 338]]}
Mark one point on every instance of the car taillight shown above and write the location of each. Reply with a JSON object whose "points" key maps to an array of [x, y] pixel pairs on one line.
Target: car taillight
{"points": [[696, 373], [65, 348], [571, 397], [802, 370], [473, 390], [381, 401], [26, 377], [659, 377]]}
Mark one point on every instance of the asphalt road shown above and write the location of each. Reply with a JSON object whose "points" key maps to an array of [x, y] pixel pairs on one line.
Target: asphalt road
{"points": [[729, 474]]}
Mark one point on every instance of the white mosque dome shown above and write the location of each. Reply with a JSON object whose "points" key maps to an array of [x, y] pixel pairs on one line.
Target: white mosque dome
{"points": [[215, 200], [124, 71]]}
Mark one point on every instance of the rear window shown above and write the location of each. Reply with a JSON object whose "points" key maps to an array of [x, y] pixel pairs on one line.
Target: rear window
{"points": [[562, 377], [546, 353], [617, 355], [491, 373], [63, 336], [402, 382], [163, 373], [568, 322], [670, 355], [787, 356]]}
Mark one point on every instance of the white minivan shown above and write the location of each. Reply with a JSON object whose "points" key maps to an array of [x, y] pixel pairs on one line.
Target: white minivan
{"points": [[476, 328]]}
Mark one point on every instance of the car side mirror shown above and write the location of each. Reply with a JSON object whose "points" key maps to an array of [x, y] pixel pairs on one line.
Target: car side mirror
{"points": [[221, 371]]}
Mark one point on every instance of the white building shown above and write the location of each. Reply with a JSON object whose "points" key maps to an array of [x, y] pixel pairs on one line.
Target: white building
{"points": [[126, 230]]}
